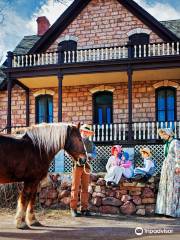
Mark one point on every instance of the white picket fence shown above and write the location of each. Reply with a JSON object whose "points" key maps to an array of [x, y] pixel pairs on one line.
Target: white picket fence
{"points": [[141, 131], [97, 54]]}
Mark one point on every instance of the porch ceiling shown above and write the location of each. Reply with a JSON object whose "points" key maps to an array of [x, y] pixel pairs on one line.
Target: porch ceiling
{"points": [[102, 78]]}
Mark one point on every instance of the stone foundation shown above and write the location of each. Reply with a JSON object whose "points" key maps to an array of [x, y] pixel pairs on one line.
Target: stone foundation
{"points": [[128, 198]]}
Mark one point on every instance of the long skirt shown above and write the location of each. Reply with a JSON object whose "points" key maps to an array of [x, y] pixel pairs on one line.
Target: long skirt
{"points": [[168, 199]]}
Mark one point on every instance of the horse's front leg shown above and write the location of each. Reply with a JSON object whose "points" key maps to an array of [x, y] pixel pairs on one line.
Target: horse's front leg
{"points": [[30, 215], [23, 201]]}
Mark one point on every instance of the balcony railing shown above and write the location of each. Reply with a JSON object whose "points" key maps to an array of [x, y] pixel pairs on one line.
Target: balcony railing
{"points": [[118, 132], [141, 131], [96, 54]]}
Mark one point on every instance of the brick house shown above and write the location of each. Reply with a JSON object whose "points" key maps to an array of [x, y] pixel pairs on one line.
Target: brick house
{"points": [[108, 63]]}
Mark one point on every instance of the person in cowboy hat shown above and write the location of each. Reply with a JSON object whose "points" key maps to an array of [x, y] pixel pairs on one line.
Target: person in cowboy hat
{"points": [[81, 175], [148, 169], [168, 198]]}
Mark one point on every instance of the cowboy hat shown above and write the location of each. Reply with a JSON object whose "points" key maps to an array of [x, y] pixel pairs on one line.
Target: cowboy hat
{"points": [[146, 150], [86, 128]]}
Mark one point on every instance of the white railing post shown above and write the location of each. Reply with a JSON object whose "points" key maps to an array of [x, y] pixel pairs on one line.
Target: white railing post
{"points": [[148, 130], [119, 131], [94, 130], [111, 131], [153, 130], [135, 51], [107, 132], [102, 132], [135, 129], [115, 131], [177, 50], [144, 130], [124, 131], [175, 129], [139, 131], [98, 133]]}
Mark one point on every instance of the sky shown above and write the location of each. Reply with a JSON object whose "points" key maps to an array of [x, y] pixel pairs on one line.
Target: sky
{"points": [[20, 16]]}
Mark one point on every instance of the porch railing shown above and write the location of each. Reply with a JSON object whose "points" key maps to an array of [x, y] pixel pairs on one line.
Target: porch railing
{"points": [[118, 132], [96, 54], [144, 131]]}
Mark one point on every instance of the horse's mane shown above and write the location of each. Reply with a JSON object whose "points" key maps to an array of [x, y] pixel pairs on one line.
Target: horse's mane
{"points": [[50, 136]]}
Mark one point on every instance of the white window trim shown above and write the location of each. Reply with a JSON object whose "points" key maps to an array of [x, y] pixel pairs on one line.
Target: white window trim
{"points": [[43, 92], [138, 30]]}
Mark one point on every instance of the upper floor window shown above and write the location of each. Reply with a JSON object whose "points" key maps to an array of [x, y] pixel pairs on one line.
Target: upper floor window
{"points": [[103, 110], [44, 109], [139, 39], [166, 104]]}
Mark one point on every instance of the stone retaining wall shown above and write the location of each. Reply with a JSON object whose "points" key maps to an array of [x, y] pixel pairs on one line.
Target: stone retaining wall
{"points": [[128, 198]]}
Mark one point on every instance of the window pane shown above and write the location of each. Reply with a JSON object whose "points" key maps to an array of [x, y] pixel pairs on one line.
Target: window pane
{"points": [[44, 109], [108, 114], [170, 116], [41, 110], [170, 100], [100, 116], [50, 110], [161, 116], [103, 99], [161, 100]]}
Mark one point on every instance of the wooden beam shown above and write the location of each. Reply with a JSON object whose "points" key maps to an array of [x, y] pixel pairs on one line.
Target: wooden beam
{"points": [[60, 79], [27, 107], [130, 73], [9, 89]]}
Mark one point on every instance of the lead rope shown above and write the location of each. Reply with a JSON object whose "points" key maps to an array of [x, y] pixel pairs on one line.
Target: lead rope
{"points": [[90, 168]]}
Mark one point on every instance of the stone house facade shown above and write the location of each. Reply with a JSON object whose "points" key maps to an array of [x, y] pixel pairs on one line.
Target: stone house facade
{"points": [[106, 63]]}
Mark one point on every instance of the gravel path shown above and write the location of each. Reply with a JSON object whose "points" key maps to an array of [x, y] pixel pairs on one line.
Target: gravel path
{"points": [[60, 225]]}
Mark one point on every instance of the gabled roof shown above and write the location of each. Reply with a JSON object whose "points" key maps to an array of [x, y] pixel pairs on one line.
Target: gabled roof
{"points": [[78, 5]]}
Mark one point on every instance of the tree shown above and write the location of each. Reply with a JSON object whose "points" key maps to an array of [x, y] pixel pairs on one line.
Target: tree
{"points": [[64, 2]]}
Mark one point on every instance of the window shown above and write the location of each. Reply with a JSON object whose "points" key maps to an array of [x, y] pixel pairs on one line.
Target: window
{"points": [[44, 109], [166, 104], [139, 39], [102, 102]]}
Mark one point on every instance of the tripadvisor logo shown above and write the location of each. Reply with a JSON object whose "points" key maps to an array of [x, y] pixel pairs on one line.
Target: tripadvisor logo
{"points": [[139, 231]]}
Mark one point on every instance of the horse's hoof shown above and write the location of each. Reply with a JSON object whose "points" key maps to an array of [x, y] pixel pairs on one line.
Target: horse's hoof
{"points": [[36, 224], [22, 226]]}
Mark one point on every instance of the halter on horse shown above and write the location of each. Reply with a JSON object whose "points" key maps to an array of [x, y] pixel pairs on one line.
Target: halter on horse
{"points": [[27, 159]]}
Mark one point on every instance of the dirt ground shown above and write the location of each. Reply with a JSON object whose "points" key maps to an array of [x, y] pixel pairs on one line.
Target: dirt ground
{"points": [[60, 225]]}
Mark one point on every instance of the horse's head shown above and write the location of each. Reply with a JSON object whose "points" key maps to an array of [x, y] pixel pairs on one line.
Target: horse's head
{"points": [[74, 144]]}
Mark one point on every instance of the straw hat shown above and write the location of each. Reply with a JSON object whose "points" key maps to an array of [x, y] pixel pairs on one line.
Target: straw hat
{"points": [[86, 128], [146, 150]]}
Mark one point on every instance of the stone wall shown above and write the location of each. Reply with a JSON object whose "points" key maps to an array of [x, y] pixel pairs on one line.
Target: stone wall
{"points": [[102, 24], [77, 103], [127, 198]]}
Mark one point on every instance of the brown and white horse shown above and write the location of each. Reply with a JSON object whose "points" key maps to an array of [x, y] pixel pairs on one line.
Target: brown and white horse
{"points": [[27, 159]]}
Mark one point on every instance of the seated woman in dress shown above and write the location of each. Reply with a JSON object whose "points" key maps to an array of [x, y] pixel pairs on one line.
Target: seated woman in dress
{"points": [[148, 169], [118, 165]]}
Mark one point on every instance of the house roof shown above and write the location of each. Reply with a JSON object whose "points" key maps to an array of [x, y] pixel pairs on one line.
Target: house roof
{"points": [[35, 43], [23, 47], [26, 44], [78, 5], [173, 26]]}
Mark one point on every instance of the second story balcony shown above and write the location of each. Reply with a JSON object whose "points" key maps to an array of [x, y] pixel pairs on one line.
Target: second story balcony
{"points": [[80, 56]]}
